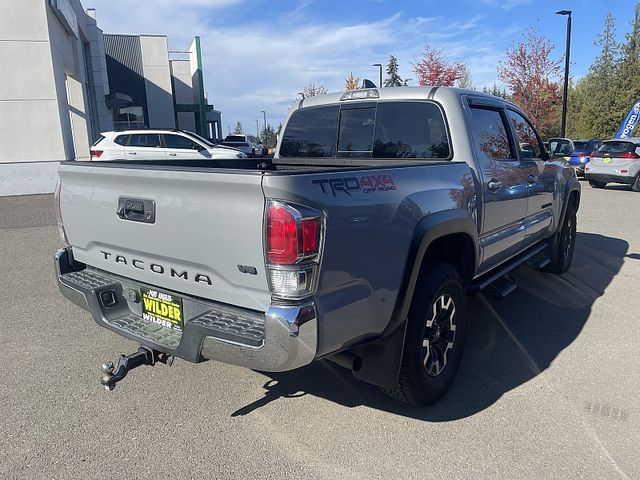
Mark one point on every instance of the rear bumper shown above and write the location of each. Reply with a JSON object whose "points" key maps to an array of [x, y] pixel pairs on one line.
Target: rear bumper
{"points": [[283, 338], [607, 178]]}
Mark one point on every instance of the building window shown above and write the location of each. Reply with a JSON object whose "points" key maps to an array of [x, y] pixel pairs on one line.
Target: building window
{"points": [[126, 118]]}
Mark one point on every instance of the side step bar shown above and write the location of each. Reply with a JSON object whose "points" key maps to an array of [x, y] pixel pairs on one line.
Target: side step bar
{"points": [[501, 279]]}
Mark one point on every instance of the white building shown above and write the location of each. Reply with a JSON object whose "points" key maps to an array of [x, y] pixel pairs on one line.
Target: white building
{"points": [[64, 82], [52, 92]]}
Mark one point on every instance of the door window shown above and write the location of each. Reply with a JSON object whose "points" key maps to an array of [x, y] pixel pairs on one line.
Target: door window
{"points": [[179, 142], [527, 141], [144, 140], [490, 135]]}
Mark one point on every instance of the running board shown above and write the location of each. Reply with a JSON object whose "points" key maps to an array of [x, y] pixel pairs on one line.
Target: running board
{"points": [[493, 276]]}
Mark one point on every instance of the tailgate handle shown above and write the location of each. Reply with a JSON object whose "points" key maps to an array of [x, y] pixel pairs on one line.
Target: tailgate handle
{"points": [[136, 210]]}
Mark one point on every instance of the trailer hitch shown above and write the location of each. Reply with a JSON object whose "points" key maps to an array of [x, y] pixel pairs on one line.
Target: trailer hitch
{"points": [[144, 356]]}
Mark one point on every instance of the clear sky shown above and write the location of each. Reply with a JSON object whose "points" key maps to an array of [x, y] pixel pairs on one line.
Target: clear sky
{"points": [[258, 54]]}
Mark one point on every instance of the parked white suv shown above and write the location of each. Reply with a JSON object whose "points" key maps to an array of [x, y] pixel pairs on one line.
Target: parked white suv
{"points": [[149, 144]]}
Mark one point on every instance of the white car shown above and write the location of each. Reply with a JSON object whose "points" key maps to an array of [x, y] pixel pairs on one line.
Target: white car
{"points": [[615, 161], [149, 144]]}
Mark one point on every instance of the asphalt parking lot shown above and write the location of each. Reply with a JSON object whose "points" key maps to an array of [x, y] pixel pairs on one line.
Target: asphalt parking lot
{"points": [[549, 386]]}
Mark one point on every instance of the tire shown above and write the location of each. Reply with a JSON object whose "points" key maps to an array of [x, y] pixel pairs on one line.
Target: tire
{"points": [[561, 250], [423, 378], [636, 184], [596, 184]]}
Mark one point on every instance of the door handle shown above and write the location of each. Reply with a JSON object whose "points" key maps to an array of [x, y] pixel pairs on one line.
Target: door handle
{"points": [[532, 179], [172, 154], [494, 185], [131, 153]]}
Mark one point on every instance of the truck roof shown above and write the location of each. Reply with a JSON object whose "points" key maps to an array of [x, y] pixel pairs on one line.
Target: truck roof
{"points": [[397, 93]]}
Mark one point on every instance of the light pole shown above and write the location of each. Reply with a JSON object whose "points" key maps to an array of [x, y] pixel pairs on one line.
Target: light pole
{"points": [[257, 129], [567, 54], [264, 116], [379, 65]]}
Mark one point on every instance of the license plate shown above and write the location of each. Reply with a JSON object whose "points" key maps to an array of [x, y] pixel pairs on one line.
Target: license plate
{"points": [[606, 160], [162, 308]]}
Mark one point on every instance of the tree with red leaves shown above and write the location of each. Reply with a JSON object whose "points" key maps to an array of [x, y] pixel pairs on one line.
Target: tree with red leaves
{"points": [[533, 79], [434, 69]]}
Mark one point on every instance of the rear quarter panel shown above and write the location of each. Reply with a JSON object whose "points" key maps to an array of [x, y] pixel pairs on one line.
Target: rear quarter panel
{"points": [[370, 217]]}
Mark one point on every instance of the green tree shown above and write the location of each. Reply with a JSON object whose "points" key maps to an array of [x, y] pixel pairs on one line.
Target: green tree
{"points": [[268, 136], [495, 90], [238, 129], [627, 85], [393, 78], [594, 107]]}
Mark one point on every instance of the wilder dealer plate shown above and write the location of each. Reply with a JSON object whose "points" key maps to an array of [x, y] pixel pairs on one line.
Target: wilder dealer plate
{"points": [[162, 308]]}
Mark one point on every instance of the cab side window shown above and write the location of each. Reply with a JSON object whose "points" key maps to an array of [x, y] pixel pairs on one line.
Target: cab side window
{"points": [[490, 134], [528, 143]]}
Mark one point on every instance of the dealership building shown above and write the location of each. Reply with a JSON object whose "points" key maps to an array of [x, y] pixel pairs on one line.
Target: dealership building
{"points": [[64, 82]]}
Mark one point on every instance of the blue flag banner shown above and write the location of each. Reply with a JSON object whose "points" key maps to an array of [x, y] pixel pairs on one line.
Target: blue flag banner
{"points": [[630, 122]]}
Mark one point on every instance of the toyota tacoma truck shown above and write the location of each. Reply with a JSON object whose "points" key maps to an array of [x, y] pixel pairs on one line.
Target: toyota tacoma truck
{"points": [[357, 243]]}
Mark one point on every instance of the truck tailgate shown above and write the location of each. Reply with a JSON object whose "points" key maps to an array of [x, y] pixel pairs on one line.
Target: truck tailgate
{"points": [[206, 237]]}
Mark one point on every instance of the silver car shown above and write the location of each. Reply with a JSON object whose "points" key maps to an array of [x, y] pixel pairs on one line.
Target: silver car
{"points": [[615, 161], [248, 144]]}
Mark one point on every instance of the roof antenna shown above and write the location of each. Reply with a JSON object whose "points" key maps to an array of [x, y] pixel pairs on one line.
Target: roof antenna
{"points": [[366, 83]]}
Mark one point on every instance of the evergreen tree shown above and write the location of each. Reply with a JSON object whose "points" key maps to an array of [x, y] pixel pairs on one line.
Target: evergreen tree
{"points": [[238, 129], [596, 98], [627, 83], [268, 137], [393, 78]]}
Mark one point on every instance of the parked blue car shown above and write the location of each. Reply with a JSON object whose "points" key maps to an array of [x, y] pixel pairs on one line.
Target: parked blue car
{"points": [[577, 153]]}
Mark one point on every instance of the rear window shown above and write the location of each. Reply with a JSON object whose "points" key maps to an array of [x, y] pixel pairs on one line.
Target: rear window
{"points": [[144, 140], [616, 147], [235, 138], [386, 130], [121, 139], [580, 145]]}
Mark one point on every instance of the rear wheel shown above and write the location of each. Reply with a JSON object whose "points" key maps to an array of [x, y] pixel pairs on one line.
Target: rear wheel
{"points": [[596, 184], [636, 184], [435, 336], [561, 250]]}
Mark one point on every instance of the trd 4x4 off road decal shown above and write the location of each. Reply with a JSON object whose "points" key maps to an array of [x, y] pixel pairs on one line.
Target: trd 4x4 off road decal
{"points": [[366, 184]]}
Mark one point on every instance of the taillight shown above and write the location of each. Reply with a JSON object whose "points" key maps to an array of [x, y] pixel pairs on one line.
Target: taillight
{"points": [[58, 200], [282, 236], [594, 154], [293, 237], [628, 155], [96, 153], [583, 154]]}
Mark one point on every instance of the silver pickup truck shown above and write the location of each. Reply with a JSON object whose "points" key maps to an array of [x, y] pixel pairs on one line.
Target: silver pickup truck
{"points": [[358, 243]]}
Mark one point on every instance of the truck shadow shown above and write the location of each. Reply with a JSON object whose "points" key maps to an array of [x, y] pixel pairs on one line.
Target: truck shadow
{"points": [[509, 343]]}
